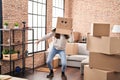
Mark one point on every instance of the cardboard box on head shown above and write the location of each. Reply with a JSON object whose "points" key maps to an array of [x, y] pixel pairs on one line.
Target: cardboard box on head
{"points": [[64, 25]]}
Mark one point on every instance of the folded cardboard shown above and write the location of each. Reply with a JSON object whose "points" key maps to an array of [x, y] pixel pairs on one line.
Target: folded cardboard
{"points": [[96, 74], [106, 45], [76, 36], [64, 25], [104, 62], [71, 48], [100, 29]]}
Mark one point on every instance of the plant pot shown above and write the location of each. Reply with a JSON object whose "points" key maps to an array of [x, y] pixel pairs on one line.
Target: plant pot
{"points": [[16, 27], [5, 27]]}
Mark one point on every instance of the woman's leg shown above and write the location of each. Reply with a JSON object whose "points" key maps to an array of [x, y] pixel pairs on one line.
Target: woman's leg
{"points": [[63, 60], [50, 58]]}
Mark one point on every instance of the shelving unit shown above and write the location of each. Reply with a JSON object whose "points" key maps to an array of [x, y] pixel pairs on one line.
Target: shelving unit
{"points": [[11, 44], [0, 67]]}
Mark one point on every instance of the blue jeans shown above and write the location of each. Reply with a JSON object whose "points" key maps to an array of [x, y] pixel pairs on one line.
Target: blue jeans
{"points": [[51, 55]]}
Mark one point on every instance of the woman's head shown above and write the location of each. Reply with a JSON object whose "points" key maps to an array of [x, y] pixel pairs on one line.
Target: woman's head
{"points": [[53, 30], [57, 35]]}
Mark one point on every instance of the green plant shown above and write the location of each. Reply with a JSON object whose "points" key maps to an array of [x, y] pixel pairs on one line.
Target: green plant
{"points": [[7, 51], [16, 24], [12, 51], [6, 23]]}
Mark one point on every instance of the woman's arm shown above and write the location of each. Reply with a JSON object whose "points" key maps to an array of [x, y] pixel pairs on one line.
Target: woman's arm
{"points": [[49, 35]]}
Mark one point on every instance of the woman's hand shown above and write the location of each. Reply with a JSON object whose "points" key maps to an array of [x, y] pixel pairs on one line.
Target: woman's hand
{"points": [[37, 42]]}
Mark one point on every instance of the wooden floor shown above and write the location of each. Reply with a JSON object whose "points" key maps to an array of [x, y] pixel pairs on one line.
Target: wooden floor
{"points": [[71, 73]]}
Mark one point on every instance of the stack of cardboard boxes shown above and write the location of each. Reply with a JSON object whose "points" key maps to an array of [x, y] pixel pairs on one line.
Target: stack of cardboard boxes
{"points": [[104, 61]]}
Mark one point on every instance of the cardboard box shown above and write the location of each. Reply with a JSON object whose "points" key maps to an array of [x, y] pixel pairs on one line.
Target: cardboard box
{"points": [[5, 77], [64, 25], [76, 36], [71, 48], [55, 62], [104, 62], [13, 56], [106, 45], [96, 74], [100, 29]]}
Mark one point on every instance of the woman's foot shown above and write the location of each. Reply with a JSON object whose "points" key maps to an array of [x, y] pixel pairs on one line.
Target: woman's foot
{"points": [[51, 74], [63, 76]]}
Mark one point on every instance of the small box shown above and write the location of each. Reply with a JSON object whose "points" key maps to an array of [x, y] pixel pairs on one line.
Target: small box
{"points": [[55, 62], [64, 25], [96, 74], [104, 44], [71, 48], [104, 62], [76, 36], [13, 56], [100, 29]]}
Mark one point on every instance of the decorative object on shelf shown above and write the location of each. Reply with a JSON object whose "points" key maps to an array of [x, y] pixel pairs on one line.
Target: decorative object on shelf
{"points": [[18, 53], [5, 26], [84, 39], [5, 51], [24, 24], [8, 40], [116, 30], [16, 25], [18, 42], [6, 54], [17, 69], [26, 52]]}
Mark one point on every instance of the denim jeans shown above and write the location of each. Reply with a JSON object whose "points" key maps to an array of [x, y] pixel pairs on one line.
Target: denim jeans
{"points": [[51, 55]]}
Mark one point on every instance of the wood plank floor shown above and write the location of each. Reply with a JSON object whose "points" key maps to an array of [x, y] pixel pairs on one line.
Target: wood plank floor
{"points": [[72, 74]]}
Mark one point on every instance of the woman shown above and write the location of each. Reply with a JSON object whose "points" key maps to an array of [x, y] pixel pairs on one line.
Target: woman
{"points": [[58, 48]]}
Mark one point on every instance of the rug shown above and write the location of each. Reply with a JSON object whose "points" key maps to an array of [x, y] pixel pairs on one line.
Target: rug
{"points": [[44, 69], [5, 77]]}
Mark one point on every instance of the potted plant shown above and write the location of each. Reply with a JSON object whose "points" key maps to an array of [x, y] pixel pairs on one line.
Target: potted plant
{"points": [[6, 54], [16, 25], [5, 51], [5, 25]]}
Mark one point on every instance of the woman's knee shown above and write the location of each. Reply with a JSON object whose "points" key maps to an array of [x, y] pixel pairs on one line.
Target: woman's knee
{"points": [[63, 63], [48, 62]]}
